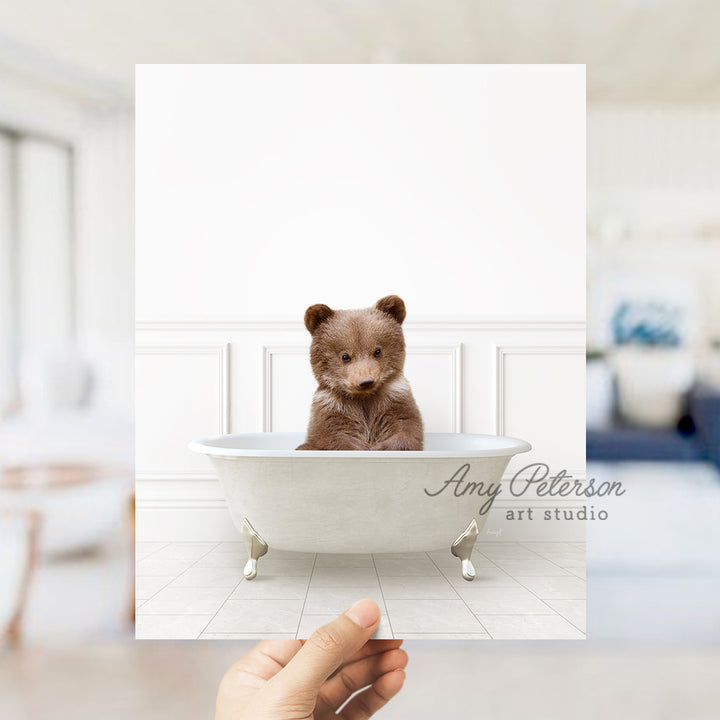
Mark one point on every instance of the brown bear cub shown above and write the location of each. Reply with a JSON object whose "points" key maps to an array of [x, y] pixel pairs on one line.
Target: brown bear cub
{"points": [[363, 401]]}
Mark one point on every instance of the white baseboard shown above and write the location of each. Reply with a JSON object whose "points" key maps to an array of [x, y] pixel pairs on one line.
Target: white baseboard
{"points": [[184, 524], [209, 521]]}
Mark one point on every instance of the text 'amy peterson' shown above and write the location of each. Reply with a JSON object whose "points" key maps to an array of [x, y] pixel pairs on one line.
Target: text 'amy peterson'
{"points": [[535, 475]]}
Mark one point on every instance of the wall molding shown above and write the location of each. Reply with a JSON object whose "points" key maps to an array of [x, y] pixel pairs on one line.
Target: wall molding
{"points": [[181, 504], [176, 476], [502, 351], [456, 322], [223, 357], [454, 352], [267, 376]]}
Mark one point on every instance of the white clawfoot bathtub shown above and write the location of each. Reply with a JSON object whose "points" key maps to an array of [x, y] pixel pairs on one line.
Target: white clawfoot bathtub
{"points": [[359, 501]]}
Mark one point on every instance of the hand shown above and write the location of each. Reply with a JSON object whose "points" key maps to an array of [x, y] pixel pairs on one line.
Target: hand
{"points": [[312, 679]]}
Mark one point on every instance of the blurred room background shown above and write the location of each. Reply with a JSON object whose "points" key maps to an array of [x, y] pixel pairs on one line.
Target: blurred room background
{"points": [[653, 370], [66, 361], [66, 345]]}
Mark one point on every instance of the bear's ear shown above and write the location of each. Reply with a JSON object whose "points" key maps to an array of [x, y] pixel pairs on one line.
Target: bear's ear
{"points": [[393, 306], [315, 315]]}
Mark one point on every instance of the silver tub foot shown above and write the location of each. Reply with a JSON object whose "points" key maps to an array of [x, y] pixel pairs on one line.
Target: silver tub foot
{"points": [[462, 548], [256, 547]]}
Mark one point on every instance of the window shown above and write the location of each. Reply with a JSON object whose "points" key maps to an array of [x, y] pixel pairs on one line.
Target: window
{"points": [[37, 266]]}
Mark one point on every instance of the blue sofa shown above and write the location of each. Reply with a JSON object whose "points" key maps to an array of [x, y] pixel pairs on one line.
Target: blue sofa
{"points": [[697, 436]]}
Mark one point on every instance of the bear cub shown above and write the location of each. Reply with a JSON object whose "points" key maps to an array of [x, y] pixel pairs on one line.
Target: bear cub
{"points": [[363, 401]]}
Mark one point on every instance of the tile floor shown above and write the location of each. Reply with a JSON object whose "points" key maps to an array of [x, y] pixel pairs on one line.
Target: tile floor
{"points": [[522, 591]]}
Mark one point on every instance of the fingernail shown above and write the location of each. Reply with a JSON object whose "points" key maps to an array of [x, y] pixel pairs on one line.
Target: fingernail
{"points": [[364, 613]]}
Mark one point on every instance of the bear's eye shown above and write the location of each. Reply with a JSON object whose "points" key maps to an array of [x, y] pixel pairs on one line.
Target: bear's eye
{"points": [[377, 352], [345, 357]]}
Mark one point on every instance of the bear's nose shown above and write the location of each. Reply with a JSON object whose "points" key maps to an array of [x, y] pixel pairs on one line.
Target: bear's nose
{"points": [[366, 383]]}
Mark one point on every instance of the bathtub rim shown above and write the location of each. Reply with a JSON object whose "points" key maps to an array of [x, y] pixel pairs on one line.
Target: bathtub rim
{"points": [[511, 446]]}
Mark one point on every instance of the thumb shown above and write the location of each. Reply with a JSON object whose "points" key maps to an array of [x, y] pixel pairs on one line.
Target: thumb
{"points": [[328, 648]]}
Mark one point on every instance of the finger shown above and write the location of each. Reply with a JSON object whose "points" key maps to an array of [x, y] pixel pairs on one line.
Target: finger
{"points": [[351, 678], [328, 648], [264, 661], [374, 647], [281, 651], [246, 676], [368, 702]]}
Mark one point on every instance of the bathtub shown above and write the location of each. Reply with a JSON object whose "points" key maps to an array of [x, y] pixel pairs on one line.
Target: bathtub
{"points": [[359, 501]]}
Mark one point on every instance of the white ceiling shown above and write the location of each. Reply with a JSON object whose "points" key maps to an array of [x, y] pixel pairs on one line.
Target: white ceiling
{"points": [[635, 50]]}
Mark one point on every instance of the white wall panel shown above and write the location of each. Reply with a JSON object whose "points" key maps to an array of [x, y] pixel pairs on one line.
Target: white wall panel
{"points": [[287, 381], [539, 398], [181, 394], [435, 374]]}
